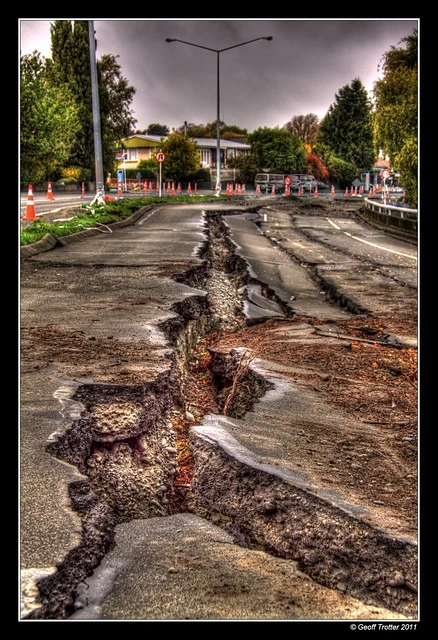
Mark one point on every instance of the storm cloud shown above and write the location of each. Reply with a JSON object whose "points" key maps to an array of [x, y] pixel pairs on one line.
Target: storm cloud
{"points": [[262, 83]]}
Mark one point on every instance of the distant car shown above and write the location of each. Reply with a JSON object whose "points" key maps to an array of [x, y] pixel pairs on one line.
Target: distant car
{"points": [[311, 185]]}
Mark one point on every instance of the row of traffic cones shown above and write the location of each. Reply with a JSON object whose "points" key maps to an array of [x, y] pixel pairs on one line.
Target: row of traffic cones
{"points": [[237, 189]]}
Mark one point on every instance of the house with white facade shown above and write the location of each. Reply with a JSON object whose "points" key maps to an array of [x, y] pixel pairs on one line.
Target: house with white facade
{"points": [[140, 147]]}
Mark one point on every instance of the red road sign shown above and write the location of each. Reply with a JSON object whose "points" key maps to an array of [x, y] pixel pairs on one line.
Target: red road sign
{"points": [[287, 180], [160, 156], [385, 173]]}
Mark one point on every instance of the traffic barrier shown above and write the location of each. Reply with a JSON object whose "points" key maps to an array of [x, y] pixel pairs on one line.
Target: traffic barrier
{"points": [[119, 190], [50, 192], [30, 206]]}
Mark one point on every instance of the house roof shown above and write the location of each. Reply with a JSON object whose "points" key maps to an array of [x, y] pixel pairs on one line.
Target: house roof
{"points": [[201, 142], [225, 144]]}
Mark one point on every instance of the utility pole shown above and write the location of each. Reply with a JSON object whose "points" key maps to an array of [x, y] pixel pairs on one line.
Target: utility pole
{"points": [[96, 117]]}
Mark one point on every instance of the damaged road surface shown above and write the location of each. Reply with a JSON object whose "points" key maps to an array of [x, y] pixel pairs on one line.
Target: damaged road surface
{"points": [[219, 419]]}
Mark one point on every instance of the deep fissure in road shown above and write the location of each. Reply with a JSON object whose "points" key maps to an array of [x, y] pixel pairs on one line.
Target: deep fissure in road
{"points": [[136, 450]]}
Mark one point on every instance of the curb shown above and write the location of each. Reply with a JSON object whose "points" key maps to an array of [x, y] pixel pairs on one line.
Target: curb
{"points": [[49, 241]]}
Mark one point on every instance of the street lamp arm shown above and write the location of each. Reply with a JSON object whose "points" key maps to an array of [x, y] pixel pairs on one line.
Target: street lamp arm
{"points": [[191, 44], [234, 46], [247, 42]]}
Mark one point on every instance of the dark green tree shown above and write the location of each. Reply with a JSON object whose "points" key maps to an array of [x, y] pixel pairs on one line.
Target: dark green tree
{"points": [[182, 157], [70, 66], [115, 97], [277, 150], [49, 122], [396, 112], [347, 127], [156, 129], [341, 172]]}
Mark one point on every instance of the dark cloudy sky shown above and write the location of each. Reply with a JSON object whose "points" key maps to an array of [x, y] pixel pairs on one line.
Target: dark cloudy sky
{"points": [[262, 84]]}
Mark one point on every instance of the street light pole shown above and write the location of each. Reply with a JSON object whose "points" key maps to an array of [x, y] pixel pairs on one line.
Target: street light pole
{"points": [[218, 120], [96, 115]]}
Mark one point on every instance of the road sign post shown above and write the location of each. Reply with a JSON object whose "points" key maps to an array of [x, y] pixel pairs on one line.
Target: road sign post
{"points": [[385, 173], [160, 157]]}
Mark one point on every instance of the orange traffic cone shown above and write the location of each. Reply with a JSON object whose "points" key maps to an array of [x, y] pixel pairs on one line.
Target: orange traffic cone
{"points": [[315, 193], [83, 190], [30, 206], [179, 188], [196, 189], [189, 188], [172, 190], [243, 189], [346, 192], [273, 190], [258, 190], [332, 192], [50, 192], [287, 190]]}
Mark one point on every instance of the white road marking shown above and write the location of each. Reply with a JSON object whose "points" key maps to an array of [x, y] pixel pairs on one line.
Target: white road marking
{"points": [[372, 244]]}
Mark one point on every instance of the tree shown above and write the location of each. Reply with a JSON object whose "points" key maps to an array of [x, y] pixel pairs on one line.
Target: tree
{"points": [[49, 122], [156, 129], [182, 157], [316, 167], [194, 130], [305, 127], [347, 126], [70, 66], [395, 115], [115, 97], [342, 173], [276, 150]]}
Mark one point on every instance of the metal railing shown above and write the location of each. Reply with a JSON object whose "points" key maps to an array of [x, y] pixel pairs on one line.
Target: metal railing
{"points": [[390, 209]]}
